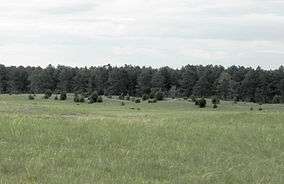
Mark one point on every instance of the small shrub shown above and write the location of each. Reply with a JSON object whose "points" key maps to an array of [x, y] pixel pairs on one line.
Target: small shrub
{"points": [[215, 106], [121, 96], [251, 109], [63, 96], [193, 99], [76, 98], [196, 102], [260, 108], [152, 101], [185, 98], [122, 104], [47, 94], [145, 97], [100, 99], [236, 100], [137, 100], [276, 99], [202, 103], [56, 97], [132, 99], [152, 94], [159, 95], [127, 97], [31, 97], [94, 97], [215, 100], [81, 99]]}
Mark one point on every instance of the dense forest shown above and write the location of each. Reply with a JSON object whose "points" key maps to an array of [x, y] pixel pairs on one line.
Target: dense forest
{"points": [[234, 83]]}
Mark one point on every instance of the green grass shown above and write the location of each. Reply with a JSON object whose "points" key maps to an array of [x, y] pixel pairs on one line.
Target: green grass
{"points": [[47, 141]]}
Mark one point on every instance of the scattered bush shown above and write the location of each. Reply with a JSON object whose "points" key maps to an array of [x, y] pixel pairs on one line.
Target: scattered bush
{"points": [[76, 98], [260, 108], [122, 104], [132, 99], [63, 96], [196, 102], [236, 99], [251, 109], [137, 100], [31, 97], [152, 101], [215, 100], [276, 99], [127, 97], [47, 94], [159, 95], [121, 96], [94, 97], [201, 103], [81, 99], [100, 99], [145, 97], [215, 106], [152, 94], [193, 99], [56, 97]]}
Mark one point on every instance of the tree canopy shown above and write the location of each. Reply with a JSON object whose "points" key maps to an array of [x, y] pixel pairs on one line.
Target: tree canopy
{"points": [[235, 82]]}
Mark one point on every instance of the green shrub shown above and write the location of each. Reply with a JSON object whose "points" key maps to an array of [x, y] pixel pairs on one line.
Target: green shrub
{"points": [[47, 94], [137, 100], [215, 100], [31, 97], [132, 99], [193, 99], [152, 101], [56, 97], [100, 99], [215, 106], [276, 99], [63, 96], [196, 102], [127, 97], [76, 98], [152, 95], [145, 97], [94, 97], [159, 95], [121, 96], [202, 103], [122, 104], [81, 99]]}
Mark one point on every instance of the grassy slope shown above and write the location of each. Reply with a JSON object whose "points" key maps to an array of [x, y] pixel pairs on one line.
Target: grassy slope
{"points": [[47, 141]]}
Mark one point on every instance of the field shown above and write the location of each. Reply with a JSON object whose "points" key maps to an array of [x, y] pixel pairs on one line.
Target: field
{"points": [[48, 141]]}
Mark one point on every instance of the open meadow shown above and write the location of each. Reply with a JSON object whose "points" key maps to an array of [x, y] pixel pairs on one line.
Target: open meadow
{"points": [[173, 141]]}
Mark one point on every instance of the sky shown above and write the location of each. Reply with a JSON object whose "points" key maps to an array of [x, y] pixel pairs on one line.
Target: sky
{"points": [[142, 32]]}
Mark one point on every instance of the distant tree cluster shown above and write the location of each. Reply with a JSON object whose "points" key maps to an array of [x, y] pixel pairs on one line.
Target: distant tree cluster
{"points": [[234, 83]]}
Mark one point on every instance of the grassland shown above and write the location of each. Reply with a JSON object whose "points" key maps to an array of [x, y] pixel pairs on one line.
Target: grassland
{"points": [[47, 141]]}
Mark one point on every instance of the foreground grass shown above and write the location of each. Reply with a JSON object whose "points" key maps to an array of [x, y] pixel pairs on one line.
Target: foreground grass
{"points": [[46, 141]]}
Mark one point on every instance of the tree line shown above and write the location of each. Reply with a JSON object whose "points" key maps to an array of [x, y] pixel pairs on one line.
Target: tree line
{"points": [[233, 83]]}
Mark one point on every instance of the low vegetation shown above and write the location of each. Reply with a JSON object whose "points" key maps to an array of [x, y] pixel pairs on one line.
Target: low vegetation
{"points": [[173, 141]]}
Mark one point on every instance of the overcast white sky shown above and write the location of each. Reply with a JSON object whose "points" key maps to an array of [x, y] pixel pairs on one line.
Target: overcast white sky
{"points": [[142, 32]]}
